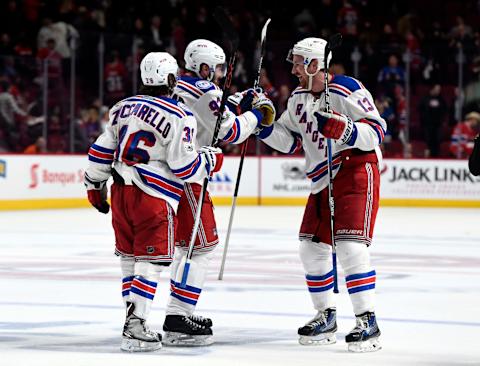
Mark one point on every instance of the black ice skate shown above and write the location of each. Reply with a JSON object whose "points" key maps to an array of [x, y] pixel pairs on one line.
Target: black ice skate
{"points": [[320, 330], [136, 336], [182, 331], [200, 320], [364, 337]]}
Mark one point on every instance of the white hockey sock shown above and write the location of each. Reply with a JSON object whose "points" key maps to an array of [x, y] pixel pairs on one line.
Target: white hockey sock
{"points": [[128, 268], [143, 287], [317, 262], [360, 277], [183, 301]]}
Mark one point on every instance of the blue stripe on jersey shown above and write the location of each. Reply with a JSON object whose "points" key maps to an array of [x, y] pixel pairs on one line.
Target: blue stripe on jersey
{"points": [[171, 182], [99, 160], [193, 166], [335, 91], [346, 81], [188, 91], [161, 106], [102, 149]]}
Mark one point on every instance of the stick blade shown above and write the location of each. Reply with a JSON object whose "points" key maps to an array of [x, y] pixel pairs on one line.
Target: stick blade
{"points": [[264, 29], [223, 19]]}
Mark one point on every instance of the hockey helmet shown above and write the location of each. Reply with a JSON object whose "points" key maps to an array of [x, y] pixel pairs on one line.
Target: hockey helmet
{"points": [[202, 51], [159, 68], [311, 49]]}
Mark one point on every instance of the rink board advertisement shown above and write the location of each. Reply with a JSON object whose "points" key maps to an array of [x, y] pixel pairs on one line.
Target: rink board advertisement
{"points": [[56, 181], [429, 182]]}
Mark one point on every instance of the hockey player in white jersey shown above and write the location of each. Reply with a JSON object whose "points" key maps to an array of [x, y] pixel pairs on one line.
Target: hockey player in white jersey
{"points": [[205, 63], [149, 147], [356, 129]]}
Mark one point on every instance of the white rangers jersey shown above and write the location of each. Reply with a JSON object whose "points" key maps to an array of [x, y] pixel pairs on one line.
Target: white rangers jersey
{"points": [[297, 127], [151, 143], [203, 99]]}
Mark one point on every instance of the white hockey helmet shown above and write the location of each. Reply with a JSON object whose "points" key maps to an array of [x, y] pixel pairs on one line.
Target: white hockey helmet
{"points": [[156, 68], [311, 49], [202, 51]]}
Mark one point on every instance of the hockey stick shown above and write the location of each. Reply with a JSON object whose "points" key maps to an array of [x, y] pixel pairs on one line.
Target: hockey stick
{"points": [[334, 42], [242, 158], [221, 17]]}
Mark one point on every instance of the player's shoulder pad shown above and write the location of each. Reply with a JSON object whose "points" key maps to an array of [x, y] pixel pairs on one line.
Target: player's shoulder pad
{"points": [[195, 86], [344, 85]]}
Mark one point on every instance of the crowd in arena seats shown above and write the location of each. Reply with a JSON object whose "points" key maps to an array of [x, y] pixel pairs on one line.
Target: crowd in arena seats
{"points": [[430, 118]]}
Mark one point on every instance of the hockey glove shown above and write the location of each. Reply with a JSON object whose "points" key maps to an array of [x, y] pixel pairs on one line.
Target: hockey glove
{"points": [[336, 126], [214, 157], [97, 194], [266, 108], [241, 102]]}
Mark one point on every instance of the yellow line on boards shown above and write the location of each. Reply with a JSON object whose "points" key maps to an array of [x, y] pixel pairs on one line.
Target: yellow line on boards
{"points": [[38, 204]]}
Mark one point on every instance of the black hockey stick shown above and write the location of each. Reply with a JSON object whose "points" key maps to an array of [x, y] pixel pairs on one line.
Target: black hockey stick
{"points": [[242, 158], [333, 43], [223, 20]]}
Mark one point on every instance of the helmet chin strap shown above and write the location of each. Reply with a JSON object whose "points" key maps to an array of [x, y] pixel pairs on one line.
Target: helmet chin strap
{"points": [[310, 76]]}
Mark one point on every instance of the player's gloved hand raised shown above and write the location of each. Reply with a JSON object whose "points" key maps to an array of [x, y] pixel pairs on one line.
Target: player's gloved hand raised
{"points": [[241, 102], [97, 194], [336, 126], [266, 108], [214, 156]]}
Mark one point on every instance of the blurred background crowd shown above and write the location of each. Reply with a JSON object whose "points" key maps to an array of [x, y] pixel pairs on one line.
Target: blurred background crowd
{"points": [[63, 63]]}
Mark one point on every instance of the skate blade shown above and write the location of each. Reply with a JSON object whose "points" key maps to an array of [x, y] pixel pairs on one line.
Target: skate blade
{"points": [[318, 340], [136, 345], [173, 339], [370, 345]]}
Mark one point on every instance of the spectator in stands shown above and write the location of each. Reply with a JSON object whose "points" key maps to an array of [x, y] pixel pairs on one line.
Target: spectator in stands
{"points": [[347, 18], [38, 147], [461, 142], [115, 79], [6, 47], [433, 111], [158, 43], [9, 109], [391, 75], [60, 32]]}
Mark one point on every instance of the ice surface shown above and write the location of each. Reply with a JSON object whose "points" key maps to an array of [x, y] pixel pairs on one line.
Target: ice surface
{"points": [[60, 298]]}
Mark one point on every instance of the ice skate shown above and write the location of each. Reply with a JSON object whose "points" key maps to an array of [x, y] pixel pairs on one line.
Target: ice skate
{"points": [[320, 330], [183, 331], [136, 335], [200, 320], [364, 337]]}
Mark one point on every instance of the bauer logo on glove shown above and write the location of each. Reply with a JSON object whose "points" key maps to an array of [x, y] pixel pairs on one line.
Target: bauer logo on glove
{"points": [[336, 126]]}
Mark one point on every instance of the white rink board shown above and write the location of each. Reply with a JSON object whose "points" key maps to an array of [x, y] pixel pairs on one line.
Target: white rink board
{"points": [[49, 177], [42, 176], [223, 182], [428, 179], [284, 177]]}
